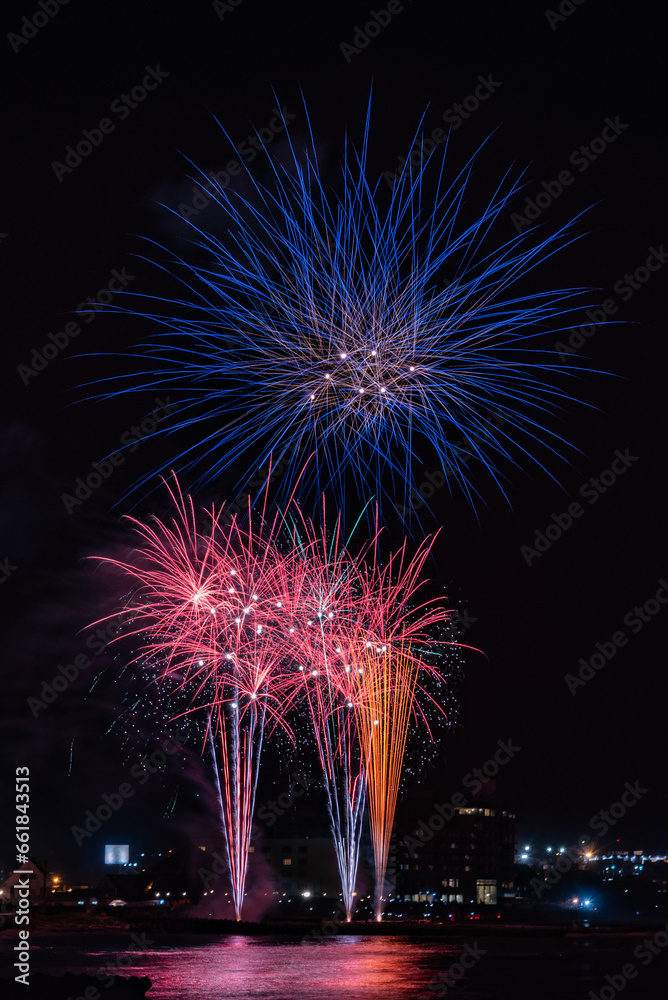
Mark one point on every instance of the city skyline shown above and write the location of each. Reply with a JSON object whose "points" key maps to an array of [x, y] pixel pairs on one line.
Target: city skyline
{"points": [[259, 152]]}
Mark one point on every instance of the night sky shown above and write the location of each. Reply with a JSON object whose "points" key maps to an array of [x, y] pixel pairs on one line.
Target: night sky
{"points": [[555, 82]]}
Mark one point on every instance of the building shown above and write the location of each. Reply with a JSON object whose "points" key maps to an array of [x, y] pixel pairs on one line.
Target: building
{"points": [[301, 865], [621, 863], [37, 878], [465, 857]]}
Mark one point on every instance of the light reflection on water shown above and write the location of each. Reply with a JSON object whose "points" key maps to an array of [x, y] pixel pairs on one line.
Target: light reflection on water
{"points": [[353, 967], [245, 968]]}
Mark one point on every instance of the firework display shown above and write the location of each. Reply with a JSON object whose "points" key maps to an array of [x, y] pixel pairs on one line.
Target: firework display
{"points": [[385, 706], [323, 593], [204, 606], [363, 644], [251, 624], [390, 664], [358, 324]]}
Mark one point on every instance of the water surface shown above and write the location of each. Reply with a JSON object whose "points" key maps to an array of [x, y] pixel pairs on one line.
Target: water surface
{"points": [[234, 967]]}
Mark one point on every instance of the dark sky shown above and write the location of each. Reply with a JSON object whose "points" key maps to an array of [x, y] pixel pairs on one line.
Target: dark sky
{"points": [[555, 80]]}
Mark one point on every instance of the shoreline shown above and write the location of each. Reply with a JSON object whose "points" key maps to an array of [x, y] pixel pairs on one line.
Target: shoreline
{"points": [[318, 930]]}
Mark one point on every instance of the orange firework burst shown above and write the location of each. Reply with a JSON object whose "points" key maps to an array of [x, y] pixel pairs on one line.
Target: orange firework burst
{"points": [[249, 622], [386, 689], [366, 647]]}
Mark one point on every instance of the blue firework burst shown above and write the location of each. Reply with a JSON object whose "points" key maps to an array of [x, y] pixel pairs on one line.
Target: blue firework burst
{"points": [[373, 330]]}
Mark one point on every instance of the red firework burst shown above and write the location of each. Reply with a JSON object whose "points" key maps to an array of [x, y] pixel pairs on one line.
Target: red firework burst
{"points": [[205, 606], [250, 622]]}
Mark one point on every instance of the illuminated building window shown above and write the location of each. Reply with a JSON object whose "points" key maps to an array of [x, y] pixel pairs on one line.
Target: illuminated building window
{"points": [[287, 861], [485, 891]]}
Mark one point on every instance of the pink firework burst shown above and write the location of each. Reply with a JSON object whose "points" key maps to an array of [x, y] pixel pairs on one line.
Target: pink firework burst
{"points": [[367, 651], [252, 622], [205, 606]]}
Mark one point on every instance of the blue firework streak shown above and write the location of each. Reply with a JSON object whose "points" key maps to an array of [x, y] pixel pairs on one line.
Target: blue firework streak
{"points": [[321, 324]]}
